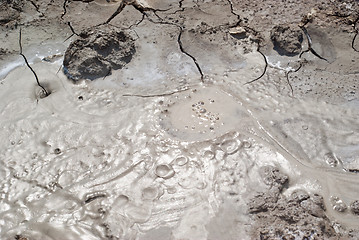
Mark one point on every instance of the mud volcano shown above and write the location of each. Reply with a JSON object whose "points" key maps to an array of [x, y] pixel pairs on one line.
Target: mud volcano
{"points": [[97, 51]]}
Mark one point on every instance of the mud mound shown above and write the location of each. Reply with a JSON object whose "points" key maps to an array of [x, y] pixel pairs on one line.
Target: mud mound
{"points": [[97, 51], [301, 216], [287, 40]]}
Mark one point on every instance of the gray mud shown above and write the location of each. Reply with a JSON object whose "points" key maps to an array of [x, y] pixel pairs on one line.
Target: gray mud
{"points": [[97, 51], [299, 216], [181, 111], [287, 40]]}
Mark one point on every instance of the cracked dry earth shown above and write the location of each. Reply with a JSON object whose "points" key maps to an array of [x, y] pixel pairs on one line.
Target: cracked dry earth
{"points": [[190, 119]]}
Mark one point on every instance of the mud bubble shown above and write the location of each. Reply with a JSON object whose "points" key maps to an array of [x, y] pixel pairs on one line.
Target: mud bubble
{"points": [[202, 113], [97, 51]]}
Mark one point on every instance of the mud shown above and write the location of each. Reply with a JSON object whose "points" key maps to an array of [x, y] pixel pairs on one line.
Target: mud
{"points": [[189, 120], [299, 216], [97, 52], [287, 40]]}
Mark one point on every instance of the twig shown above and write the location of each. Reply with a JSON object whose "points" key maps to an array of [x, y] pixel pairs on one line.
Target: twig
{"points": [[32, 70]]}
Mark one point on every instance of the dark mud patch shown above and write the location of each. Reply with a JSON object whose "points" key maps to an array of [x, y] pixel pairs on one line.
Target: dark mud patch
{"points": [[287, 39], [10, 11], [97, 51], [300, 216]]}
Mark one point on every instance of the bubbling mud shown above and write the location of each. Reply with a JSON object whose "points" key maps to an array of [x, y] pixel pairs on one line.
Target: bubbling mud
{"points": [[202, 113]]}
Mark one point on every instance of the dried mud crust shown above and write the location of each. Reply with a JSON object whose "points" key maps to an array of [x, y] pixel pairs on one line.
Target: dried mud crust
{"points": [[10, 11], [300, 216], [97, 51], [287, 40]]}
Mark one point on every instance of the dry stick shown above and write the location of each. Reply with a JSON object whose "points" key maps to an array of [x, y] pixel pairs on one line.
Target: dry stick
{"points": [[32, 70]]}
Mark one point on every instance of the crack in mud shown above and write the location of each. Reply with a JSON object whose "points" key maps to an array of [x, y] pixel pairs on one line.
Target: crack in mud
{"points": [[118, 11], [45, 92], [179, 42], [265, 67], [356, 34], [138, 23], [36, 7], [156, 95], [232, 11], [136, 5], [72, 30], [65, 10], [309, 41], [189, 55]]}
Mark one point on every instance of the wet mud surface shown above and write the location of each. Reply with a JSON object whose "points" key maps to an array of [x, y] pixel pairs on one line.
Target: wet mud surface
{"points": [[179, 119]]}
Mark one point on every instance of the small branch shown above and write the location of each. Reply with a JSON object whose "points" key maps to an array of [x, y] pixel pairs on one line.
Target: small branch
{"points": [[32, 70]]}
